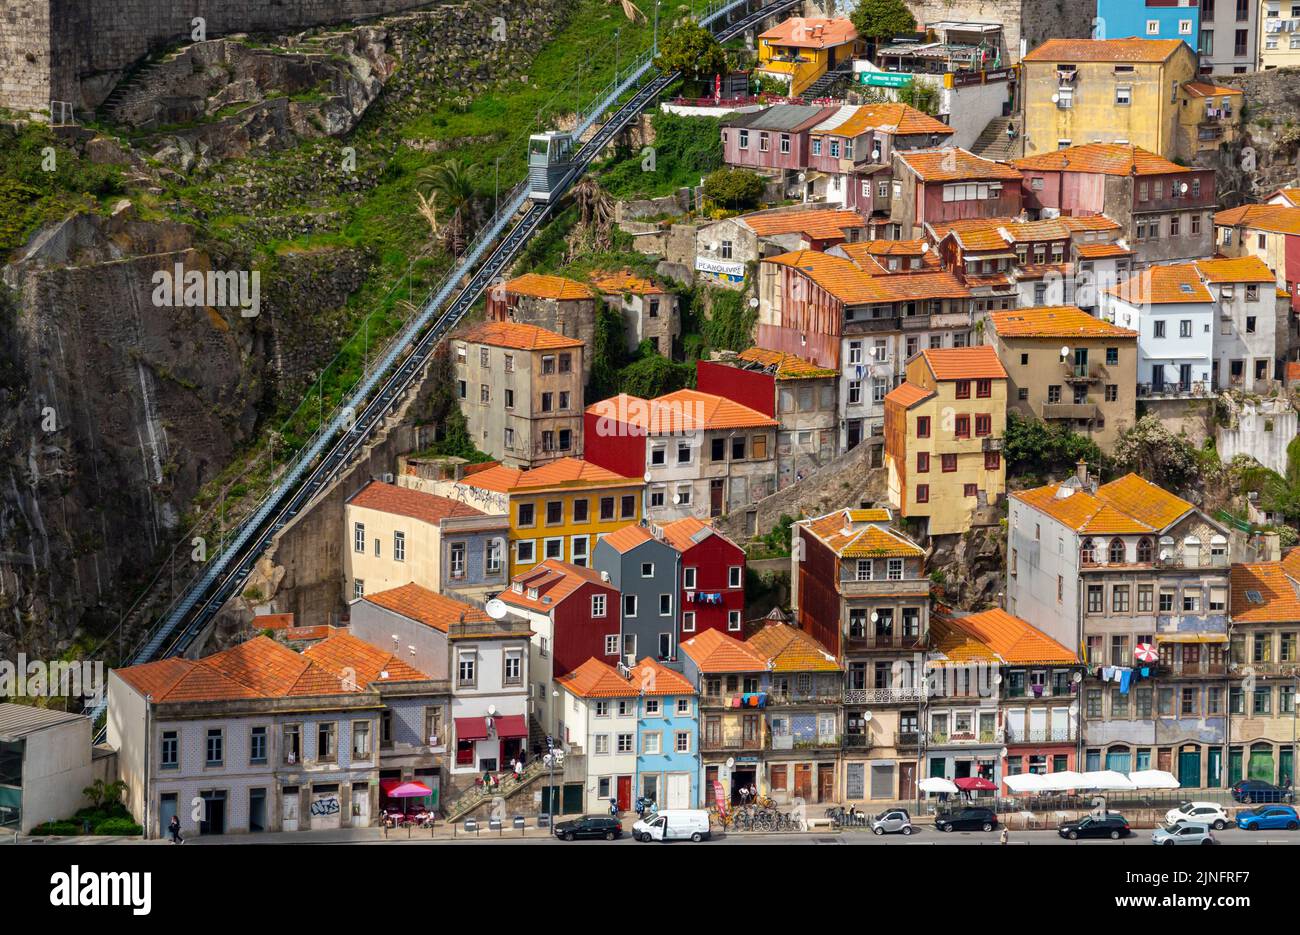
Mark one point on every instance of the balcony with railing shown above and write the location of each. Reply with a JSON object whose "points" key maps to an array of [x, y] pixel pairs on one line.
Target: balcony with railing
{"points": [[817, 696], [947, 738], [870, 696], [734, 700], [729, 741], [1196, 389], [868, 641], [1042, 734], [1083, 373], [786, 742], [1086, 411], [857, 741], [883, 587]]}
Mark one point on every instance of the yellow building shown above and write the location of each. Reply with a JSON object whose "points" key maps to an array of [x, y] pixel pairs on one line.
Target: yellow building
{"points": [[944, 426], [1105, 91], [803, 48], [1209, 115], [1262, 231], [1279, 34], [556, 511]]}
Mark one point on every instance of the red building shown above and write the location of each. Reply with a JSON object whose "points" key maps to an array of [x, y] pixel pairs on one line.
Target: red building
{"points": [[574, 611], [947, 184], [713, 577]]}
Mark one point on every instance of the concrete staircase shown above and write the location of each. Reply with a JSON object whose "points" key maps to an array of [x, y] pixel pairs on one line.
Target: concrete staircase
{"points": [[825, 86], [479, 795], [994, 144]]}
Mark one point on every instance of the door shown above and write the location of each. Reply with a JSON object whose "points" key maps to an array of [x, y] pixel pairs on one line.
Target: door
{"points": [[214, 813], [825, 782], [1184, 376], [326, 810], [361, 805], [289, 809], [679, 790], [907, 782], [715, 497], [803, 781], [854, 433], [256, 809], [1189, 767], [625, 793], [166, 809]]}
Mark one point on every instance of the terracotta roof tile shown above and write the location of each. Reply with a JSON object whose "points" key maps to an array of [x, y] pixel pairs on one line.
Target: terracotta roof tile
{"points": [[1099, 251], [1278, 219], [908, 395], [683, 534], [862, 534], [811, 32], [563, 472], [1235, 269], [785, 366], [951, 164], [1015, 640], [1102, 159], [956, 644], [900, 119], [424, 606], [596, 679], [964, 363], [1206, 89], [518, 335], [679, 411], [1162, 285], [1264, 593], [542, 286], [1138, 497], [628, 537], [405, 501], [852, 286], [789, 649], [1066, 321], [554, 581], [1104, 50], [624, 281], [714, 651], [818, 223]]}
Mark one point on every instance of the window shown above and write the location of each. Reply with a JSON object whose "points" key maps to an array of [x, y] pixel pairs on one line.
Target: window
{"points": [[361, 739], [513, 671], [733, 621], [611, 643], [627, 507], [734, 575], [922, 462], [963, 389], [665, 605], [399, 546], [922, 493], [922, 431], [358, 589], [467, 668], [983, 388], [961, 427], [629, 605], [359, 538], [1123, 96], [948, 463], [688, 578], [326, 742], [169, 756], [457, 560], [688, 622], [214, 746], [598, 605], [983, 425]]}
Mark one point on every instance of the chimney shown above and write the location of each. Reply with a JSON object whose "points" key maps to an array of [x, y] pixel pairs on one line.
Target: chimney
{"points": [[1081, 472]]}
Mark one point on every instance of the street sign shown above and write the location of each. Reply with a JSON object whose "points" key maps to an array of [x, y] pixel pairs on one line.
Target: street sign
{"points": [[886, 79]]}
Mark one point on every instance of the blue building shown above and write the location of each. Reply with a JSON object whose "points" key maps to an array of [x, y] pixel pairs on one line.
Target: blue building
{"points": [[667, 736], [1149, 19]]}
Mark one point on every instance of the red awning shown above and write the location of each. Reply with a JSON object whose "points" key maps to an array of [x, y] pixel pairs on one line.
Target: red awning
{"points": [[511, 725], [973, 784], [471, 728]]}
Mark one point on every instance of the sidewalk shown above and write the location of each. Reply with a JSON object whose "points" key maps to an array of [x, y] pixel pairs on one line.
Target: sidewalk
{"points": [[442, 832]]}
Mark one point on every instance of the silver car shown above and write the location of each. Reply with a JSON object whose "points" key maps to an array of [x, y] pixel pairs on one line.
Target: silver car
{"points": [[895, 819], [1185, 832]]}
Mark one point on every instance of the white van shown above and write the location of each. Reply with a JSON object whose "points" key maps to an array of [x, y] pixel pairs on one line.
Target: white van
{"points": [[674, 824]]}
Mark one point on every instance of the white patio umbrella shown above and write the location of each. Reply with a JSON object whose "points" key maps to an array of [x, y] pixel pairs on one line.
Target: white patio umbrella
{"points": [[937, 784], [1105, 779], [1024, 782], [1153, 779], [1060, 782]]}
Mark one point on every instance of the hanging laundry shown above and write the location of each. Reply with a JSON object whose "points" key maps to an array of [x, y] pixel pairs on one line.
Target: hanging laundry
{"points": [[1124, 677]]}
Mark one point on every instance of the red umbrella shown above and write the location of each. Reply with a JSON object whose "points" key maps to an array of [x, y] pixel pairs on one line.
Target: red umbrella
{"points": [[396, 789], [1145, 652], [974, 784]]}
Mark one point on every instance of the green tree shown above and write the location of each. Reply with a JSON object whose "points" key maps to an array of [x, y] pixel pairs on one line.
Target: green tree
{"points": [[692, 50], [877, 20], [1151, 450], [734, 188], [730, 325], [1032, 446], [608, 354], [451, 186]]}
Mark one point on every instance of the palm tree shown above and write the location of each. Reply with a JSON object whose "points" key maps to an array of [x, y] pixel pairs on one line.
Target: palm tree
{"points": [[451, 184]]}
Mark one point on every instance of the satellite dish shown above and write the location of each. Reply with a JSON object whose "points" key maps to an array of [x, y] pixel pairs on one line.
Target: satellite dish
{"points": [[647, 477], [867, 716], [802, 176], [1183, 188], [496, 609], [1164, 556], [492, 710], [875, 154], [1056, 98], [997, 679], [874, 616], [1003, 752], [731, 762], [1077, 678], [677, 498], [1065, 351], [753, 302]]}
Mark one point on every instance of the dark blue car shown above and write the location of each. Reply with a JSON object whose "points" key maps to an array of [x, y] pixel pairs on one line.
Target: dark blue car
{"points": [[1256, 790], [1268, 818]]}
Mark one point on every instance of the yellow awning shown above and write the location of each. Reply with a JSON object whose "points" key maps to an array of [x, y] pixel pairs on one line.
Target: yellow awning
{"points": [[1191, 637]]}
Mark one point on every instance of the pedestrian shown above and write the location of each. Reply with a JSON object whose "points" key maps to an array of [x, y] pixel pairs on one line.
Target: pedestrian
{"points": [[516, 768], [174, 829], [613, 808], [1004, 836]]}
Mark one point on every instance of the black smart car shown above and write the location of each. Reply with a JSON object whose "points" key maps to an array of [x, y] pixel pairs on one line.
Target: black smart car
{"points": [[589, 826], [1096, 826], [1255, 790], [966, 819]]}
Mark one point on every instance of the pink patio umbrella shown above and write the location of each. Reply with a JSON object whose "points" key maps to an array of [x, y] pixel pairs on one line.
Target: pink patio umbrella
{"points": [[396, 789]]}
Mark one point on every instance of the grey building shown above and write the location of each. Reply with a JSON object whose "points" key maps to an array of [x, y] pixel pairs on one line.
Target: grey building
{"points": [[45, 762], [647, 573]]}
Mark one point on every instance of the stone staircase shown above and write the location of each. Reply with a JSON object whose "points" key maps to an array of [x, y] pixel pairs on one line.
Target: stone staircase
{"points": [[825, 86], [133, 88], [994, 144], [479, 795]]}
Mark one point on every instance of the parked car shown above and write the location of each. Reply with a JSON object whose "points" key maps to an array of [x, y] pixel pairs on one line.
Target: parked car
{"points": [[589, 826], [1184, 832], [1210, 813], [970, 818], [1096, 826], [1268, 818], [896, 819], [1256, 790], [674, 824]]}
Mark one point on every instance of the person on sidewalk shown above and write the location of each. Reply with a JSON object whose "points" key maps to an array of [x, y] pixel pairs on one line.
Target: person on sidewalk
{"points": [[1005, 836], [174, 829]]}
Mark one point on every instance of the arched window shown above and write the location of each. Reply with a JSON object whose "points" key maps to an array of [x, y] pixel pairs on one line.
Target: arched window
{"points": [[1116, 556], [1088, 552], [1144, 551]]}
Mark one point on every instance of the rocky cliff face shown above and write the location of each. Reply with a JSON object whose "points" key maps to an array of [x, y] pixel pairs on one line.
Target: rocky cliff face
{"points": [[1264, 158]]}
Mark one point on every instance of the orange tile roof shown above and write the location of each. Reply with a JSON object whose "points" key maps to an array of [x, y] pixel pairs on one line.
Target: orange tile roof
{"points": [[785, 366], [1279, 219], [679, 411], [1089, 222], [1078, 509], [563, 472], [1292, 196], [1015, 640], [1235, 269], [273, 621], [263, 668], [789, 649], [1162, 285], [518, 335], [964, 363], [951, 164], [684, 533], [654, 678], [554, 581], [956, 644], [418, 603], [1102, 159], [1099, 251], [628, 537], [624, 281], [1278, 597], [1132, 49], [404, 501], [811, 32], [897, 118], [818, 223], [852, 286], [542, 286], [908, 395], [1206, 89], [715, 651], [916, 247], [1066, 321], [596, 679], [860, 534], [1138, 497]]}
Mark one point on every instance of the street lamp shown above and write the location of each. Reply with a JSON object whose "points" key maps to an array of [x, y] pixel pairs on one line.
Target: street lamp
{"points": [[655, 45]]}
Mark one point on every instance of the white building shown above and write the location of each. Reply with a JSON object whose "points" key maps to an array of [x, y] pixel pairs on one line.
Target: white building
{"points": [[1246, 340], [1175, 316], [600, 716]]}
